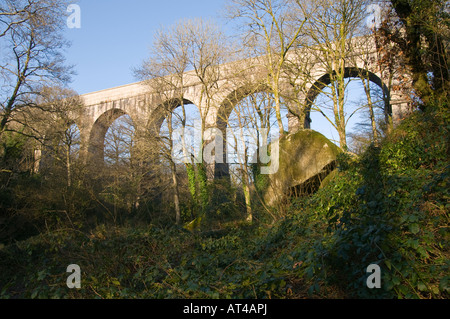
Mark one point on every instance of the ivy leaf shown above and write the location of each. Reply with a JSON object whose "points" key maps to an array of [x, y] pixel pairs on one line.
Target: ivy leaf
{"points": [[423, 252], [115, 282], [421, 286], [34, 294], [414, 228], [443, 285], [388, 264]]}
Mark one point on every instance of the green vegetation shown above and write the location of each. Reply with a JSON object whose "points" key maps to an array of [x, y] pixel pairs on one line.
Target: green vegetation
{"points": [[390, 206]]}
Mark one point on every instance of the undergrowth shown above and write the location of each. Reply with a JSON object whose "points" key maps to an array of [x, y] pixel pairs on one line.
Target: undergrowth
{"points": [[388, 207]]}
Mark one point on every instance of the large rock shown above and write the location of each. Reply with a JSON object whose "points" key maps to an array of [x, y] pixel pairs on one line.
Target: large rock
{"points": [[303, 157]]}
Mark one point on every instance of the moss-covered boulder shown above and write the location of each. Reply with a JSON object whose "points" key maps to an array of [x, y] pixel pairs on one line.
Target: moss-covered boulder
{"points": [[305, 158]]}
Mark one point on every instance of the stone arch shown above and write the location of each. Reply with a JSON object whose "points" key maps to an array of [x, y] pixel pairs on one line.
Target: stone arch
{"points": [[157, 116], [222, 170], [96, 143], [155, 128], [233, 98], [350, 72]]}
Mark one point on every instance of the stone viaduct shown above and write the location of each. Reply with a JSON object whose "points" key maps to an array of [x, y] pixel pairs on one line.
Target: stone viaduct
{"points": [[234, 82]]}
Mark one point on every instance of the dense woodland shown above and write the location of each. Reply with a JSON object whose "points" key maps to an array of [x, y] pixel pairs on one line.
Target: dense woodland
{"points": [[145, 224]]}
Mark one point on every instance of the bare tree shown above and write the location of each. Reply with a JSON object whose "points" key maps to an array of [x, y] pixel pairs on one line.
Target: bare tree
{"points": [[250, 124], [189, 52], [52, 125], [164, 73], [12, 13], [31, 57], [376, 90], [271, 31], [330, 28]]}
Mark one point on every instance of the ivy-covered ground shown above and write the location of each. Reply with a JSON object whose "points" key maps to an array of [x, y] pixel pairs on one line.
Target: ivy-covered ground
{"points": [[389, 207]]}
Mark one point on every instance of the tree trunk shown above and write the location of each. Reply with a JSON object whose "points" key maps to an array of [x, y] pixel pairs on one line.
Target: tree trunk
{"points": [[176, 196], [173, 168], [366, 84], [248, 201], [68, 167]]}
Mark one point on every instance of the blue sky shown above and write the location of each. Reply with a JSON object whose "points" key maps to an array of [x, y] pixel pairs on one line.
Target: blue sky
{"points": [[115, 36]]}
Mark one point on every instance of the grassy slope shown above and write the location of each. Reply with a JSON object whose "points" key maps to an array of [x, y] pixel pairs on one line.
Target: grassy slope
{"points": [[390, 207]]}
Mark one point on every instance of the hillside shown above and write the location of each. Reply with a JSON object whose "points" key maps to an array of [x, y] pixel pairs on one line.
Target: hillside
{"points": [[388, 207]]}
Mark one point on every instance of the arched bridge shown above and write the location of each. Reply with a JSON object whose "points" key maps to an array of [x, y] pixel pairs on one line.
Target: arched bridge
{"points": [[234, 82]]}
